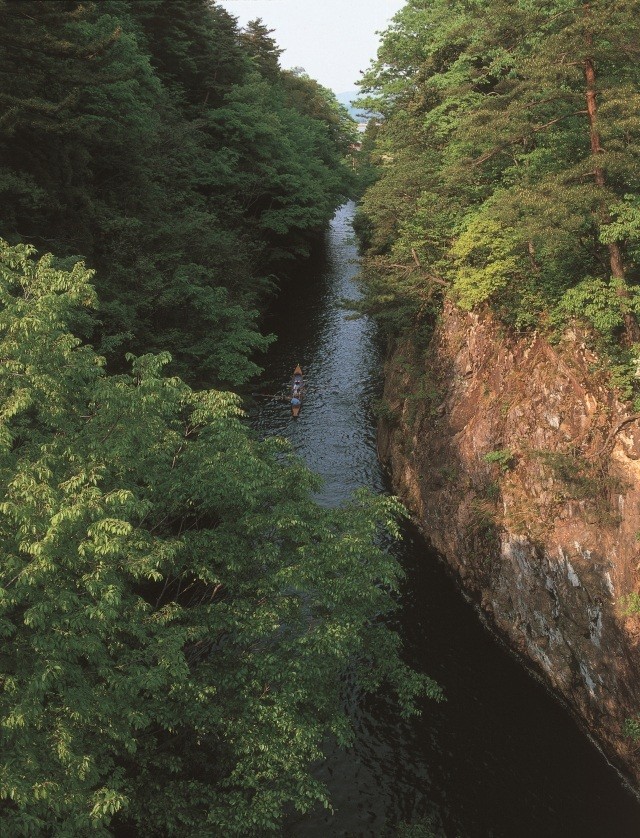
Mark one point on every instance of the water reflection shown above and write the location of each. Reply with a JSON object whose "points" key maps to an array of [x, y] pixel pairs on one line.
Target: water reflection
{"points": [[500, 757], [334, 433]]}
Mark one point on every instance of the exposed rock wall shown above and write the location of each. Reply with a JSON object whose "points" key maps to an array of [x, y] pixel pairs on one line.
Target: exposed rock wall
{"points": [[543, 532]]}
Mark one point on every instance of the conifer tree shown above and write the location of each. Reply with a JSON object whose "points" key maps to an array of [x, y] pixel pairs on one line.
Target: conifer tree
{"points": [[129, 139], [262, 49], [512, 130]]}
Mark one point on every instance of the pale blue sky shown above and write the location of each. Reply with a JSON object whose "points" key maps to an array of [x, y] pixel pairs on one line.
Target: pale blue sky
{"points": [[332, 39]]}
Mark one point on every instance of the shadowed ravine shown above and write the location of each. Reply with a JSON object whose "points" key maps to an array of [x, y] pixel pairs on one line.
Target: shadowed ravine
{"points": [[500, 758]]}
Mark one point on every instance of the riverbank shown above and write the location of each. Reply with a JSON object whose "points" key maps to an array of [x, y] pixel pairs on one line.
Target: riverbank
{"points": [[499, 757], [509, 463]]}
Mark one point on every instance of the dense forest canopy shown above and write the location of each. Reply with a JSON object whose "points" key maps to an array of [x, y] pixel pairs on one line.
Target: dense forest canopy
{"points": [[167, 149], [508, 167], [179, 618]]}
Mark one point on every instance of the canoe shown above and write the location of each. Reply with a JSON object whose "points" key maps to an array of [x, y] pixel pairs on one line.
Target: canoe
{"points": [[297, 391]]}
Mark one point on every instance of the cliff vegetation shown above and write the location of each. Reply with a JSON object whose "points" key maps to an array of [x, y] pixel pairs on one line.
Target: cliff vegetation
{"points": [[500, 225], [507, 169]]}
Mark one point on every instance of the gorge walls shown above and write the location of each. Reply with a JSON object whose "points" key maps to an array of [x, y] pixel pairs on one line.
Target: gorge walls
{"points": [[523, 469]]}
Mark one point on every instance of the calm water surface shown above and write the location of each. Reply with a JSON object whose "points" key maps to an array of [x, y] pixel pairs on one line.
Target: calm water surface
{"points": [[499, 759]]}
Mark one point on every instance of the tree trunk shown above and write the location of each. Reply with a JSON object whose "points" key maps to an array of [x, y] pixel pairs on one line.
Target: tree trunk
{"points": [[615, 254], [632, 331]]}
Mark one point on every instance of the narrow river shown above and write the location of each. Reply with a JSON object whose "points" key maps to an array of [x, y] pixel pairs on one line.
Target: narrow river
{"points": [[500, 758]]}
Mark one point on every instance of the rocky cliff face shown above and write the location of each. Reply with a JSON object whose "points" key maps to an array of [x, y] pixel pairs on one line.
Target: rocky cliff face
{"points": [[524, 471]]}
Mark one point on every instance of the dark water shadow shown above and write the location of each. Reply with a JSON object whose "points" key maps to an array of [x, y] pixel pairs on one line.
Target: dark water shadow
{"points": [[500, 758]]}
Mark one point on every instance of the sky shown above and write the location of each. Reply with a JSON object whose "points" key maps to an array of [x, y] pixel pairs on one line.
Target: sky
{"points": [[334, 40]]}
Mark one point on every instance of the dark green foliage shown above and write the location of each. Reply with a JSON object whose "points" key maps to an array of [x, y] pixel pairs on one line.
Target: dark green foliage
{"points": [[179, 617], [180, 620], [367, 171], [193, 45], [308, 97], [502, 457], [262, 49], [143, 137], [581, 478], [584, 480], [508, 162], [429, 827]]}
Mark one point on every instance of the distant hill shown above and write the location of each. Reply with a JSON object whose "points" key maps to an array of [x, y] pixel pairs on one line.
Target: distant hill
{"points": [[346, 99]]}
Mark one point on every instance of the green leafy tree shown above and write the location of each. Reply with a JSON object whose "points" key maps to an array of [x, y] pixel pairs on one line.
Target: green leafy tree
{"points": [[128, 133], [508, 162], [313, 100], [179, 617]]}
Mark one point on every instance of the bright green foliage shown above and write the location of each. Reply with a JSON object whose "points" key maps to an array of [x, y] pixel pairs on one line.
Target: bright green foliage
{"points": [[631, 605], [496, 182], [178, 616], [625, 226], [486, 258], [596, 300], [632, 729], [152, 139], [502, 457]]}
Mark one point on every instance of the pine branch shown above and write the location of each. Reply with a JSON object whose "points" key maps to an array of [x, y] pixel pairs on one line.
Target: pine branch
{"points": [[536, 130]]}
